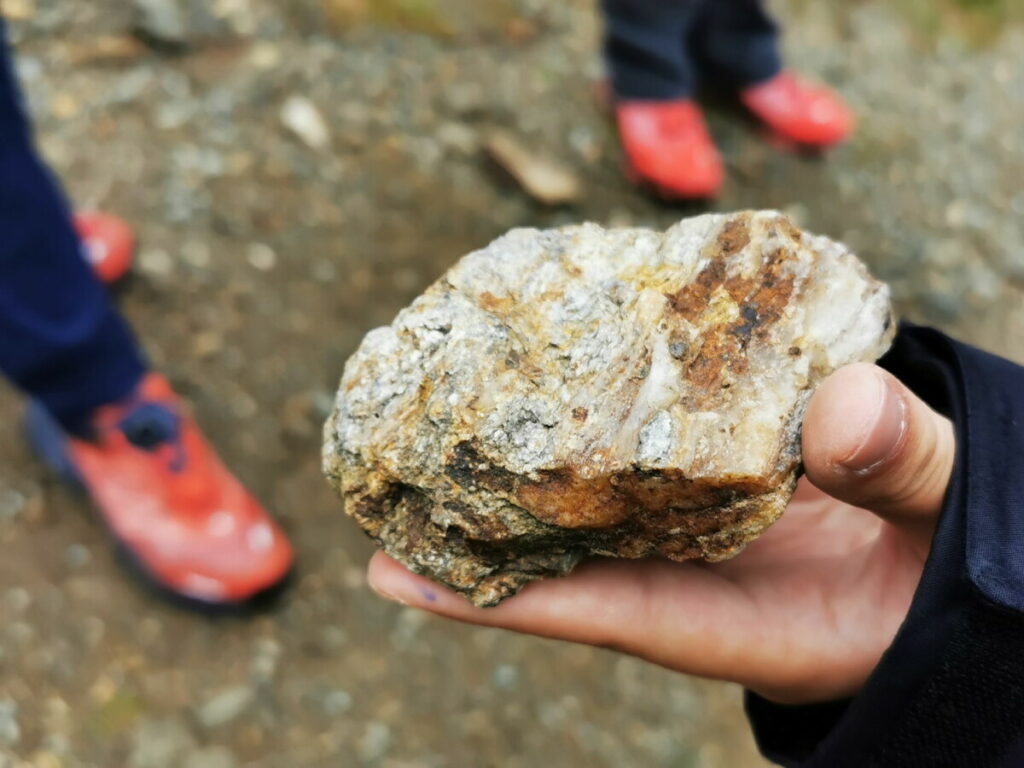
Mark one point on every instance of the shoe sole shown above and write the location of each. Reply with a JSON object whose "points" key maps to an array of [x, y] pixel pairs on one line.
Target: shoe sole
{"points": [[46, 439]]}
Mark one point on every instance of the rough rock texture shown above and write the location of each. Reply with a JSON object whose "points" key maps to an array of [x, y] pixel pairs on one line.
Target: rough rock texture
{"points": [[586, 391]]}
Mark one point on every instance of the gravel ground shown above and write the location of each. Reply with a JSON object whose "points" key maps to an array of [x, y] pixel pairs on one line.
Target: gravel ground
{"points": [[298, 171]]}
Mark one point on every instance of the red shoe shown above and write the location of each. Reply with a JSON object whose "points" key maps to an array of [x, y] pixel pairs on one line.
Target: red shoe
{"points": [[108, 243], [160, 488], [668, 146], [811, 115]]}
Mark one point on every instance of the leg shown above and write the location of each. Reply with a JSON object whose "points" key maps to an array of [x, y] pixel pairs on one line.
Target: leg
{"points": [[666, 143], [63, 343], [735, 41], [99, 418], [643, 50]]}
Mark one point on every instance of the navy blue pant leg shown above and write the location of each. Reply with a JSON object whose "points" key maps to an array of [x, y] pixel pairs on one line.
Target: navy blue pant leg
{"points": [[61, 341], [734, 42], [644, 48], [665, 49]]}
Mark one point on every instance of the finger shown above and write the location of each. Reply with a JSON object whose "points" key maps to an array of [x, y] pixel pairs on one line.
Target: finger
{"points": [[633, 607], [870, 441]]}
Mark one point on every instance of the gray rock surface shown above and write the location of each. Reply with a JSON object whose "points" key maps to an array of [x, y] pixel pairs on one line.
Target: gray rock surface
{"points": [[585, 391]]}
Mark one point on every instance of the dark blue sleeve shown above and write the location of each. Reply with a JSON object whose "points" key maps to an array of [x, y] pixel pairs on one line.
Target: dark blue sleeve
{"points": [[950, 689]]}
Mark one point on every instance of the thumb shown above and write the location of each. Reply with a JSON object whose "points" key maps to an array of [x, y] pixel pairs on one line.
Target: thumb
{"points": [[870, 441]]}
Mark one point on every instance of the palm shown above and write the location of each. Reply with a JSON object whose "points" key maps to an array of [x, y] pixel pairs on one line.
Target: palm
{"points": [[824, 589], [803, 613], [807, 610]]}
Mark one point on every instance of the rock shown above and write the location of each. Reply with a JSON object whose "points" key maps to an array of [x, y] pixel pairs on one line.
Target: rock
{"points": [[300, 116], [176, 24], [375, 742], [336, 702], [225, 707], [261, 256], [160, 744], [77, 556], [211, 757], [18, 10], [585, 391], [162, 21], [543, 178], [10, 731], [505, 677]]}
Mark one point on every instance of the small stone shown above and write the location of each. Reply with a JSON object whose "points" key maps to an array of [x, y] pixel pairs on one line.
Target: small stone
{"points": [[465, 98], [586, 143], [261, 256], [333, 639], [77, 556], [63, 105], [265, 55], [160, 744], [42, 758], [10, 731], [543, 178], [156, 262], [163, 21], [175, 25], [300, 116], [324, 271], [506, 677], [225, 707], [18, 10], [337, 702], [12, 502], [211, 757], [265, 660], [376, 741], [458, 137], [585, 391], [17, 599]]}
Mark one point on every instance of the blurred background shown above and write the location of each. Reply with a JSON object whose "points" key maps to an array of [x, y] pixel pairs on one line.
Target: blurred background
{"points": [[298, 170]]}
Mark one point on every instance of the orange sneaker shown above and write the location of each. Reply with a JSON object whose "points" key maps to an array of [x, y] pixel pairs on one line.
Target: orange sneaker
{"points": [[108, 244], [810, 115], [668, 146], [184, 519]]}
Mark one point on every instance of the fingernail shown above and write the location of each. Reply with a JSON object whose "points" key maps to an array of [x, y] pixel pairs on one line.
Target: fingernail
{"points": [[884, 432]]}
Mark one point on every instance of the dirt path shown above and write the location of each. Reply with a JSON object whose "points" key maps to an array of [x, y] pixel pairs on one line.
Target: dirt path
{"points": [[265, 260]]}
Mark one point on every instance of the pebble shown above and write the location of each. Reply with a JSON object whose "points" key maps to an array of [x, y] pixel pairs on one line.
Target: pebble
{"points": [[265, 660], [337, 702], [505, 677], [17, 599], [10, 731], [333, 639], [77, 556], [162, 20], [156, 262], [375, 742], [458, 137], [300, 116], [545, 179], [225, 707], [211, 757], [261, 256], [160, 744], [11, 503], [18, 10]]}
